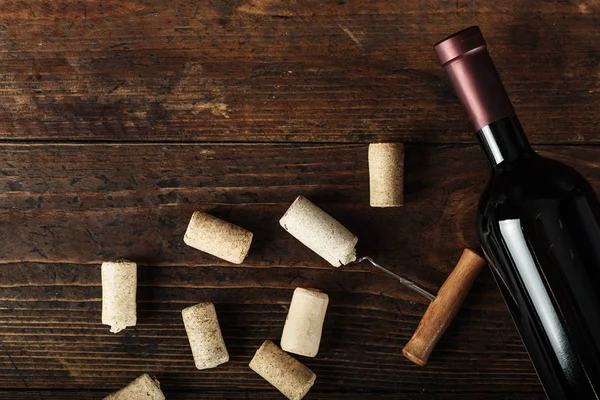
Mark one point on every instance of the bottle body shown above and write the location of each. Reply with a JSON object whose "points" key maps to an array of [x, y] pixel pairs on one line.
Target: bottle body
{"points": [[539, 225]]}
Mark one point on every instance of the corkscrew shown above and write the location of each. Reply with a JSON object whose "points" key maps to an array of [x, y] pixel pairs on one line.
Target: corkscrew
{"points": [[331, 240]]}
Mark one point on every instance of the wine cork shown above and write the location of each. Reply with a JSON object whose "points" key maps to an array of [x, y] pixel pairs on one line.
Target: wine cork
{"points": [[386, 174], [119, 284], [444, 308], [218, 238], [318, 231], [204, 334], [288, 375], [304, 323], [142, 388]]}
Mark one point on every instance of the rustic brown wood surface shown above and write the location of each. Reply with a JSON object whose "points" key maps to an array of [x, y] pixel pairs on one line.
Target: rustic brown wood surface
{"points": [[119, 119], [65, 208], [256, 395], [286, 70]]}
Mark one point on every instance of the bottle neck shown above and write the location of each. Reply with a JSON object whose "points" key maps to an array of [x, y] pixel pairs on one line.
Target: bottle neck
{"points": [[504, 142], [477, 84], [474, 78]]}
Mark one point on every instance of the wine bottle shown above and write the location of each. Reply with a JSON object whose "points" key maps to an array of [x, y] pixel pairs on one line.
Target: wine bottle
{"points": [[539, 225]]}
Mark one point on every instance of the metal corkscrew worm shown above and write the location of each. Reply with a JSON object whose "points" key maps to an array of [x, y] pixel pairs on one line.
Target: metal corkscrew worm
{"points": [[406, 282]]}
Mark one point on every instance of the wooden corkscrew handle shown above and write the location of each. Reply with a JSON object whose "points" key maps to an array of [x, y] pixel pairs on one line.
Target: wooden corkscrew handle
{"points": [[444, 308]]}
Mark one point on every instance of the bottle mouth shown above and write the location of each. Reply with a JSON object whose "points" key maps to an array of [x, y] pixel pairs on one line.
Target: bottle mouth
{"points": [[456, 45]]}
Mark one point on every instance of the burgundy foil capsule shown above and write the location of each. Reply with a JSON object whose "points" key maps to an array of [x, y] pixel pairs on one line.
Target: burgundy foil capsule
{"points": [[465, 57]]}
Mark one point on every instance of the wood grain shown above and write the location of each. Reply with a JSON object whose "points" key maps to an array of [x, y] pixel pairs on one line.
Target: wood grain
{"points": [[98, 394], [77, 205], [280, 70], [135, 202]]}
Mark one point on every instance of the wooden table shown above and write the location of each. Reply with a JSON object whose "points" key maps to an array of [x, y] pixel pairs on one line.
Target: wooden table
{"points": [[118, 119]]}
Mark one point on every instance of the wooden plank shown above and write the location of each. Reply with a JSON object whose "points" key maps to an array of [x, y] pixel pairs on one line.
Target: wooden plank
{"points": [[266, 395], [77, 205], [279, 70], [363, 336], [85, 204]]}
